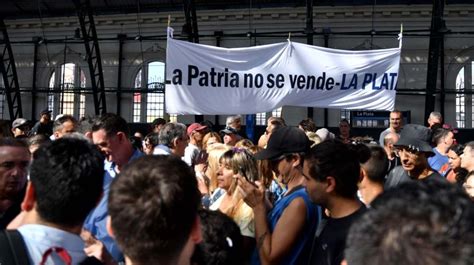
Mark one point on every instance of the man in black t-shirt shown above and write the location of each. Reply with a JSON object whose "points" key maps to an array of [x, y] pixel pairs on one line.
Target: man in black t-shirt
{"points": [[331, 170], [44, 125], [413, 150]]}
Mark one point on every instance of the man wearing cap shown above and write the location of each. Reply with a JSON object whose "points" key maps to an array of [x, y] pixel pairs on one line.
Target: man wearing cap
{"points": [[230, 136], [44, 125], [20, 128], [285, 236], [196, 134], [414, 151]]}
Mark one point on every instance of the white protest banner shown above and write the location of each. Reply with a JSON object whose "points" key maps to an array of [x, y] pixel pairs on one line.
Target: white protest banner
{"points": [[210, 80]]}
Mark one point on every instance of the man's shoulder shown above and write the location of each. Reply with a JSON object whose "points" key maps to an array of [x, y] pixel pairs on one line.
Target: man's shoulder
{"points": [[436, 176], [396, 176]]}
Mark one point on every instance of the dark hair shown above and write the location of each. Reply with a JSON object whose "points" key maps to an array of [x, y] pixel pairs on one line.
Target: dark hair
{"points": [[111, 124], [362, 151], [222, 241], [136, 143], [279, 121], [59, 122], [158, 121], [462, 175], [377, 165], [439, 134], [333, 158], [345, 121], [67, 175], [397, 111], [308, 125], [13, 142], [209, 124], [153, 206], [420, 222], [457, 148], [152, 138]]}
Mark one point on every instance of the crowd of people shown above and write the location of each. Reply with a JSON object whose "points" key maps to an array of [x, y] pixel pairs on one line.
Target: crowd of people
{"points": [[90, 192]]}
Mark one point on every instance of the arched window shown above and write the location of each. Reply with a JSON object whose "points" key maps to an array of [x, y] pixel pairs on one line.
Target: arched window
{"points": [[464, 99], [66, 94], [149, 98]]}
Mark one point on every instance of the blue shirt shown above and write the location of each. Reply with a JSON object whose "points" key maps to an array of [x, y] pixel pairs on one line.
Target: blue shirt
{"points": [[437, 161], [39, 238], [97, 219], [299, 253]]}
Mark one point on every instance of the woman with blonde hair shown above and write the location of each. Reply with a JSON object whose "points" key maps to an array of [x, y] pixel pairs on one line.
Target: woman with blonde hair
{"points": [[237, 161]]}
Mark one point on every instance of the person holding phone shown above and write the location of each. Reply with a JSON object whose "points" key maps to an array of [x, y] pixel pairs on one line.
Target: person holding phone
{"points": [[283, 233]]}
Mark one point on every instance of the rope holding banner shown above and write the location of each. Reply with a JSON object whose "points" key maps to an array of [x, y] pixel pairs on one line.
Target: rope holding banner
{"points": [[400, 36]]}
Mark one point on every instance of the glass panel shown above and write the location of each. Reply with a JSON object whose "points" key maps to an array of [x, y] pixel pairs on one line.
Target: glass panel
{"points": [[173, 118], [51, 95], [155, 102], [277, 112], [345, 114], [137, 99], [470, 88], [82, 96], [460, 100], [261, 118], [67, 86]]}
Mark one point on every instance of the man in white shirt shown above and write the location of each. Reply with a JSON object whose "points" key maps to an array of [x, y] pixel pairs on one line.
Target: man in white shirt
{"points": [[65, 185], [192, 151]]}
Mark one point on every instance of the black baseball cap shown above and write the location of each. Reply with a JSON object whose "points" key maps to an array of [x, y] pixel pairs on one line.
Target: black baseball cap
{"points": [[285, 140], [416, 137], [229, 130]]}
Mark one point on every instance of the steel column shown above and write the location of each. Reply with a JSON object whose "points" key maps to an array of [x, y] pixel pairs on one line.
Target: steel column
{"points": [[89, 36], [121, 38], [191, 29], [10, 77], [33, 85], [309, 39], [326, 32], [436, 38]]}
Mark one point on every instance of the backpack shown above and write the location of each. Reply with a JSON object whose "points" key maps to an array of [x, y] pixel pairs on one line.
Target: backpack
{"points": [[13, 248]]}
